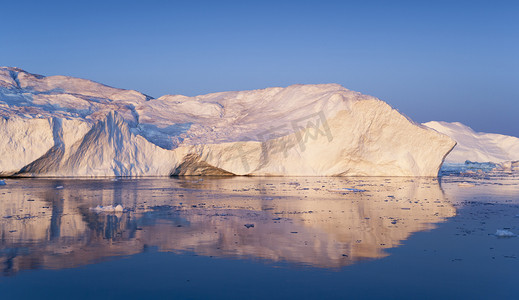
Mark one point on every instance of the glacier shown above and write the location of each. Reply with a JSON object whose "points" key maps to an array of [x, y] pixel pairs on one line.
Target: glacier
{"points": [[63, 126]]}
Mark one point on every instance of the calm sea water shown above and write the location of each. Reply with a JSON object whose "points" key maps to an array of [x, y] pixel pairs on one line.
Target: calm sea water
{"points": [[260, 238]]}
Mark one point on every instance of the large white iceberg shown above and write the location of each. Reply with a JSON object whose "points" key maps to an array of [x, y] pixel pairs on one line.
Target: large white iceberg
{"points": [[63, 126], [477, 146]]}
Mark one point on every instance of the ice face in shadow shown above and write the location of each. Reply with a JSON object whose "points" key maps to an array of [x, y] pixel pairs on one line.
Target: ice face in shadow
{"points": [[303, 221]]}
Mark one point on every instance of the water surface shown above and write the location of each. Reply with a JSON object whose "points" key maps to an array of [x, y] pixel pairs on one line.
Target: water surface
{"points": [[260, 237]]}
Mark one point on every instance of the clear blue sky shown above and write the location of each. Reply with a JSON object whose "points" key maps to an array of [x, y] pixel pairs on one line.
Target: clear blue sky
{"points": [[432, 60]]}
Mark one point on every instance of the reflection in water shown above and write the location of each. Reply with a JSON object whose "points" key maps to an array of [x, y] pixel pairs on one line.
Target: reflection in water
{"points": [[322, 222]]}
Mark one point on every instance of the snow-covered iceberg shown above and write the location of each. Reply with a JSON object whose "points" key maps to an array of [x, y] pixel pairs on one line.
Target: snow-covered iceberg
{"points": [[64, 126], [477, 147]]}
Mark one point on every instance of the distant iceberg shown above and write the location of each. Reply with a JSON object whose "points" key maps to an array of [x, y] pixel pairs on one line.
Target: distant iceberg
{"points": [[477, 150], [64, 126]]}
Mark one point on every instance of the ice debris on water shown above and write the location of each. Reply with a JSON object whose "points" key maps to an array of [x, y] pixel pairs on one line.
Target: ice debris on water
{"points": [[347, 190], [504, 233], [59, 187], [108, 208], [2, 182], [466, 184]]}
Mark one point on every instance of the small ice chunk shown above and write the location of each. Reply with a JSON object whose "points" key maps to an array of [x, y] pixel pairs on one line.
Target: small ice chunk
{"points": [[2, 182], [466, 184], [108, 208], [59, 187], [504, 233]]}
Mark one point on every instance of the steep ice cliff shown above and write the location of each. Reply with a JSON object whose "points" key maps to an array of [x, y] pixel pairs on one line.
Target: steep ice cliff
{"points": [[63, 126], [477, 146]]}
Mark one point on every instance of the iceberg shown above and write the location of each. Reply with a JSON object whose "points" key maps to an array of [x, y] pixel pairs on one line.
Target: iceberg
{"points": [[478, 150], [64, 126]]}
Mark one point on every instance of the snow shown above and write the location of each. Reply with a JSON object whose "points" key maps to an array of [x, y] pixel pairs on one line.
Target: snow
{"points": [[479, 147], [64, 126]]}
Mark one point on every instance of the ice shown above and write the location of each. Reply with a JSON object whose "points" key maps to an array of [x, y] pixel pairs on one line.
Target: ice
{"points": [[108, 208], [63, 126], [478, 147], [510, 166], [2, 182], [504, 233]]}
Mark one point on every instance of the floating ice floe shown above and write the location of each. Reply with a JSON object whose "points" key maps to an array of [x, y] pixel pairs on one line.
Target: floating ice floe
{"points": [[466, 184], [59, 187], [108, 208], [2, 182], [504, 233]]}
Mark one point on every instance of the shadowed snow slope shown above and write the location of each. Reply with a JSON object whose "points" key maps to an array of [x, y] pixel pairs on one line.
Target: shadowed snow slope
{"points": [[477, 146], [63, 126]]}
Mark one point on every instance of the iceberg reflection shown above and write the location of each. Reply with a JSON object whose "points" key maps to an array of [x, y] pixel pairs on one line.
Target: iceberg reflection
{"points": [[321, 222]]}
